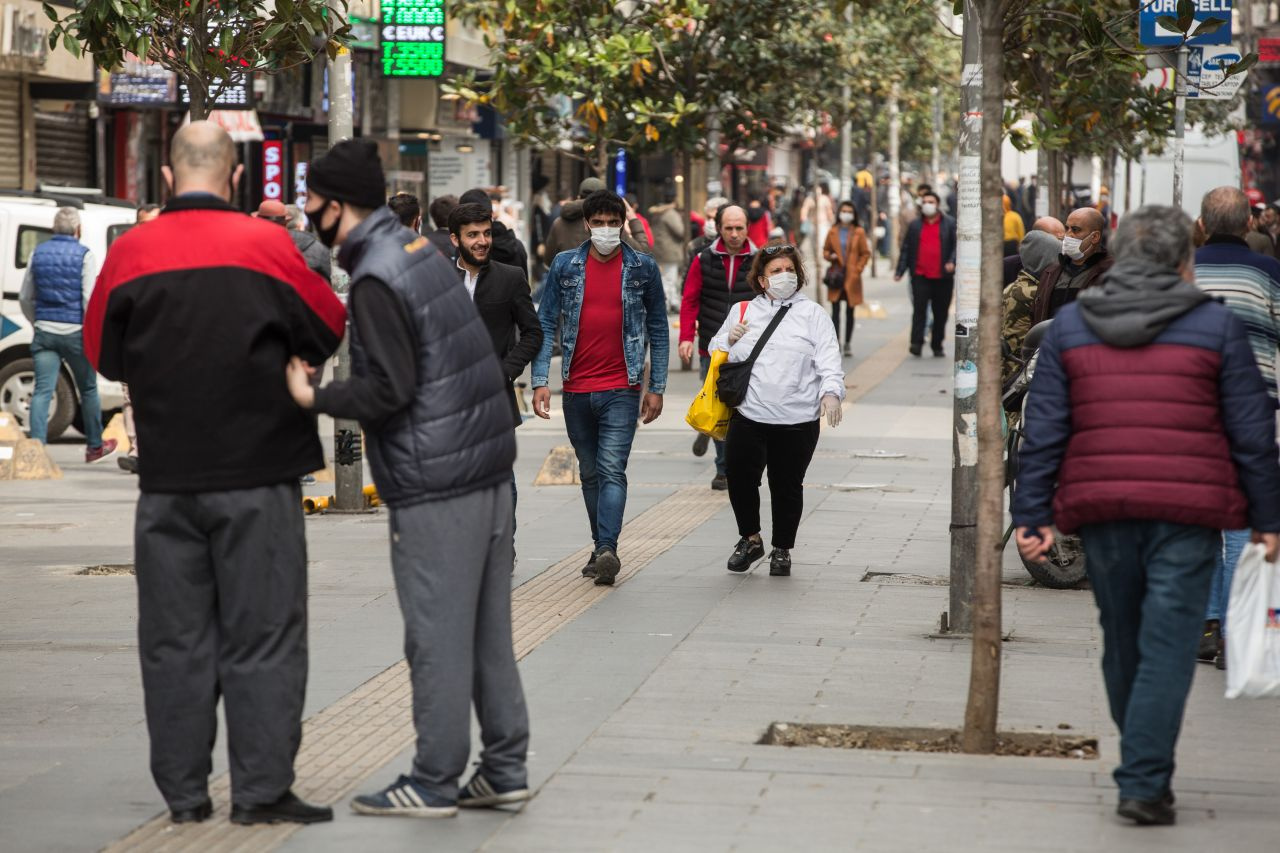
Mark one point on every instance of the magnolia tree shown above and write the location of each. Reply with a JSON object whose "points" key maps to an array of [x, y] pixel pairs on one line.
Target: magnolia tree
{"points": [[208, 44]]}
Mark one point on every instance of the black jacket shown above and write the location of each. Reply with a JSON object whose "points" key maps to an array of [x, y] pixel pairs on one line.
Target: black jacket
{"points": [[503, 300], [455, 434], [911, 247], [507, 249], [440, 239]]}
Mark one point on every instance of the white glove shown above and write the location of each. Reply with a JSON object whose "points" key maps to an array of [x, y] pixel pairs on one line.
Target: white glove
{"points": [[736, 333], [832, 410]]}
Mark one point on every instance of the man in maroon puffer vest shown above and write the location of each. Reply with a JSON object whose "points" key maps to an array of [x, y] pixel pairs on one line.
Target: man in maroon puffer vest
{"points": [[1149, 431]]}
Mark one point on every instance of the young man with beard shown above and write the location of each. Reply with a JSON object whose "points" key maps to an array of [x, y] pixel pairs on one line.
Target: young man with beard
{"points": [[501, 295], [436, 412]]}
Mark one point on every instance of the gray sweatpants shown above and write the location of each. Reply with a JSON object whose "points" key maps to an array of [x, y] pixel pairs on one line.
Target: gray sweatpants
{"points": [[222, 610], [452, 562]]}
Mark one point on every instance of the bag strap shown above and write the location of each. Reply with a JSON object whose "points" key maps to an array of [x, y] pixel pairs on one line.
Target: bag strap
{"points": [[768, 333]]}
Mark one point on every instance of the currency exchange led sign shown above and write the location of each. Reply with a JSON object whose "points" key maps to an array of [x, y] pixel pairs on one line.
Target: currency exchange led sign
{"points": [[413, 38]]}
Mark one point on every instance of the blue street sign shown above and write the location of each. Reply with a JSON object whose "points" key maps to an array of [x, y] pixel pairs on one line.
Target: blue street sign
{"points": [[1152, 34], [8, 327], [620, 173]]}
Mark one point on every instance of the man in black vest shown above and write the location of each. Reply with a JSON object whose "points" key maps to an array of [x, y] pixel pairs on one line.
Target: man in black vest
{"points": [[436, 412], [717, 280]]}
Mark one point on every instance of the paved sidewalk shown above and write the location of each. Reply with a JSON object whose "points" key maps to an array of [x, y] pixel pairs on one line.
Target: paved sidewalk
{"points": [[647, 706]]}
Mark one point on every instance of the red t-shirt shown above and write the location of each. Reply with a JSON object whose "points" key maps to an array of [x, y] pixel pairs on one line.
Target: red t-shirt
{"points": [[598, 363], [929, 254]]}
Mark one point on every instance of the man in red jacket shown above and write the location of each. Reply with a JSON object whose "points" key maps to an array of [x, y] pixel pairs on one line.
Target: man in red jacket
{"points": [[1149, 430], [202, 329]]}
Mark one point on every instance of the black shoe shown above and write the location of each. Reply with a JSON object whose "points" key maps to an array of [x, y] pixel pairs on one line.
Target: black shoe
{"points": [[780, 563], [700, 444], [192, 815], [127, 463], [287, 809], [589, 570], [1148, 812], [1220, 660], [607, 567], [847, 351], [746, 552], [915, 350], [938, 352], [720, 483], [1210, 641]]}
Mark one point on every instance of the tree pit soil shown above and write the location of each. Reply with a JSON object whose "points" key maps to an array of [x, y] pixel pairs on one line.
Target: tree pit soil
{"points": [[907, 739], [107, 569]]}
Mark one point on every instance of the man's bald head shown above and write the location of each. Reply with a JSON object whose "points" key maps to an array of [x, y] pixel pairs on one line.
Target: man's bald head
{"points": [[732, 225], [202, 158], [1225, 211], [1089, 217], [1085, 224], [1050, 225]]}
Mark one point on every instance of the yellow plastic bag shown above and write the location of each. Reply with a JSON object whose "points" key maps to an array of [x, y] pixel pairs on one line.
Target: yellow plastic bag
{"points": [[707, 414]]}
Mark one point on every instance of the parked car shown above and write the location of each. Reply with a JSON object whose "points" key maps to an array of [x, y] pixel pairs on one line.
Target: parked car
{"points": [[26, 221]]}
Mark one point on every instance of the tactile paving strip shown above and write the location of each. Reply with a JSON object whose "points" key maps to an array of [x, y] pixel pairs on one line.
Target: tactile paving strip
{"points": [[346, 742]]}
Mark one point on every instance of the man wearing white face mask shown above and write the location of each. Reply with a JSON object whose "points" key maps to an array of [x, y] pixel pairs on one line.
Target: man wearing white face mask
{"points": [[607, 301], [796, 379], [929, 256], [1084, 260]]}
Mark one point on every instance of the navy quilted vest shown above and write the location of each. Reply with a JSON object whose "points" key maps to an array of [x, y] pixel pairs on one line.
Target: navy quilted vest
{"points": [[58, 267]]}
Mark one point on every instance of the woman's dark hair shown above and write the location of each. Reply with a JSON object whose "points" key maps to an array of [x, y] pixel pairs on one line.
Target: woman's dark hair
{"points": [[603, 201], [466, 214], [773, 251], [853, 207]]}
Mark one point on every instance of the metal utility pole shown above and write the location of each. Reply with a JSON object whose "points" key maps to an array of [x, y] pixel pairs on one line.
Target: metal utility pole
{"points": [[1180, 125], [935, 159], [895, 174], [348, 464], [846, 134], [964, 450], [1042, 183]]}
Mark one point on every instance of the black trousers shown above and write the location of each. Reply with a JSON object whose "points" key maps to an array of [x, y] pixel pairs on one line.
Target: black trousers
{"points": [[848, 319], [222, 611], [785, 450], [926, 294]]}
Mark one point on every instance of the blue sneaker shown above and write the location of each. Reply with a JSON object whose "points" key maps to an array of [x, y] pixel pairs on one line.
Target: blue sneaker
{"points": [[407, 798], [480, 793]]}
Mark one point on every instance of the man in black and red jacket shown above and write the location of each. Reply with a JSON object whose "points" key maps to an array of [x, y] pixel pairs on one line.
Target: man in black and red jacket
{"points": [[199, 312]]}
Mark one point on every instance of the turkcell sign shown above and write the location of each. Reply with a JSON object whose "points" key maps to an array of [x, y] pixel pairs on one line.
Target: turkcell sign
{"points": [[1152, 34], [412, 37]]}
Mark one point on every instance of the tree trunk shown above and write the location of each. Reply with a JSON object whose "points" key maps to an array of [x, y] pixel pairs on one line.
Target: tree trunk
{"points": [[198, 94], [602, 161], [686, 186], [984, 680], [1054, 189], [895, 174], [875, 191]]}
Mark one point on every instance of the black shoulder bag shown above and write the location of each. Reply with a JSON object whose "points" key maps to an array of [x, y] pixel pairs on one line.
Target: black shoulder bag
{"points": [[735, 377]]}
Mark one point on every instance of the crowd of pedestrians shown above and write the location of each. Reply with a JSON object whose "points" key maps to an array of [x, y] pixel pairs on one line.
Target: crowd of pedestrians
{"points": [[1150, 426]]}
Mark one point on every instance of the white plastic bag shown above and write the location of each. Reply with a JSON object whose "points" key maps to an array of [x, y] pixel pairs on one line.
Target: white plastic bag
{"points": [[1253, 627]]}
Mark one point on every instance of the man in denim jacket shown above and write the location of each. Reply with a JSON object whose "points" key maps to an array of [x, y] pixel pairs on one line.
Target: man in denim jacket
{"points": [[608, 303]]}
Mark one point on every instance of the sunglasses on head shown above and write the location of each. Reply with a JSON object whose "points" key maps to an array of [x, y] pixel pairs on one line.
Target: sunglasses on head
{"points": [[770, 251]]}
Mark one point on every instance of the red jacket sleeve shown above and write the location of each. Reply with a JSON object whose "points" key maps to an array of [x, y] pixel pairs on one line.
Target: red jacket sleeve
{"points": [[691, 301]]}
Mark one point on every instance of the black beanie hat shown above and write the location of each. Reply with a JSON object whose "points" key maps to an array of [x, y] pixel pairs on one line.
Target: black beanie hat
{"points": [[350, 172]]}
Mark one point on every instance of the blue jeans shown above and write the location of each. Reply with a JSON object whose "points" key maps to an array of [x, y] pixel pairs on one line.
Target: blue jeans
{"points": [[1151, 581], [702, 374], [1233, 542], [601, 427], [48, 351]]}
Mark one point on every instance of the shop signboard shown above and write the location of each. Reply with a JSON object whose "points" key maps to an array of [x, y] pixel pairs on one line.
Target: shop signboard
{"points": [[273, 170], [412, 38]]}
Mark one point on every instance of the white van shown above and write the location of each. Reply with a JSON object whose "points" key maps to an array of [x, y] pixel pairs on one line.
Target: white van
{"points": [[26, 221], [1209, 162]]}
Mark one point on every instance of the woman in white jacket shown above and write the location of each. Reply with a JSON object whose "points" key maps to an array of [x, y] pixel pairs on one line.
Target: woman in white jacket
{"points": [[796, 380]]}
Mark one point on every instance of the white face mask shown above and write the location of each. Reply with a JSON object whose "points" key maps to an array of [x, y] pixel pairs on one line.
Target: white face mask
{"points": [[929, 208], [710, 228], [606, 239], [846, 218], [782, 285], [1071, 248]]}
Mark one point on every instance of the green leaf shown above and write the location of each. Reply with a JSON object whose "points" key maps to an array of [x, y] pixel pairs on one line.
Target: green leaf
{"points": [[49, 12], [1209, 25], [1186, 15], [1169, 22], [1243, 65]]}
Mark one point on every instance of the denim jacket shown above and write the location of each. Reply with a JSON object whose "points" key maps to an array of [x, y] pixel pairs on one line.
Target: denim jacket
{"points": [[644, 315]]}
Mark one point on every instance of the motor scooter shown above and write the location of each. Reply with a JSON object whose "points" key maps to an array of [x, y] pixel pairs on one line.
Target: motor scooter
{"points": [[1063, 566]]}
